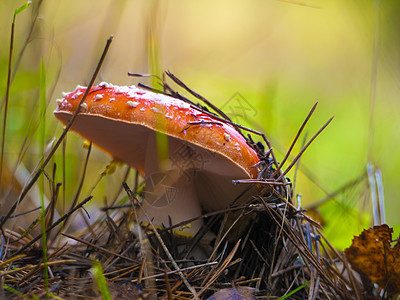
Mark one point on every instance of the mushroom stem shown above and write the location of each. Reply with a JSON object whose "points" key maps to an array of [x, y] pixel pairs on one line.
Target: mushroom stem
{"points": [[170, 196]]}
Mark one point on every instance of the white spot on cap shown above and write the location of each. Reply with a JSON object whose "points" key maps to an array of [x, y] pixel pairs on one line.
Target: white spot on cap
{"points": [[59, 101], [132, 103], [79, 93], [227, 137], [84, 107], [64, 94], [120, 89], [98, 97], [112, 99], [80, 87], [182, 104], [155, 109], [142, 109]]}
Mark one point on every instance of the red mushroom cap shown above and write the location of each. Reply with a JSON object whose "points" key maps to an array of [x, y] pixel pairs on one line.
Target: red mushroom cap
{"points": [[161, 113]]}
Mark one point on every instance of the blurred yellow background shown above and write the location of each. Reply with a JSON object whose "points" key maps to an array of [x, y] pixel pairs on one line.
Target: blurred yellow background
{"points": [[277, 58]]}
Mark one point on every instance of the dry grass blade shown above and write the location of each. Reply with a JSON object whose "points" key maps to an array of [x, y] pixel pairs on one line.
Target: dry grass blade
{"points": [[297, 241], [295, 140], [198, 96], [11, 260], [218, 272], [36, 175], [78, 191], [340, 190], [33, 267], [305, 148], [100, 248], [80, 205], [176, 271]]}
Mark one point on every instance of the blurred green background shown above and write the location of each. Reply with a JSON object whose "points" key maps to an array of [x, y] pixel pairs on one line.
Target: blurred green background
{"points": [[275, 58]]}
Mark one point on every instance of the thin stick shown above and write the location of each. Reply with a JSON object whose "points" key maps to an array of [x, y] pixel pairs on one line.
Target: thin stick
{"points": [[304, 149], [198, 96], [35, 176], [296, 169], [100, 248], [272, 152], [3, 141], [341, 189], [293, 237], [263, 182], [218, 272], [54, 224], [78, 192], [295, 139], [175, 271]]}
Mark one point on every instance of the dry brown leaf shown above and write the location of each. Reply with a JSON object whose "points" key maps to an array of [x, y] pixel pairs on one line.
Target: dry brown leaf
{"points": [[371, 254]]}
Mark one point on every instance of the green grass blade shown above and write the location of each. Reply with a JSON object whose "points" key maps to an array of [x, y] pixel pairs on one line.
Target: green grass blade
{"points": [[155, 69], [21, 9], [43, 106], [295, 290], [10, 289], [42, 142], [101, 280], [55, 296], [6, 98]]}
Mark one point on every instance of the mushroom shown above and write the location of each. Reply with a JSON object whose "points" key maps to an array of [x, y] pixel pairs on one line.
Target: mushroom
{"points": [[188, 157]]}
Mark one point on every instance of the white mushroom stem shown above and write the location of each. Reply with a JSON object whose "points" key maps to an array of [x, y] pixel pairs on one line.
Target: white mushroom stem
{"points": [[170, 196]]}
